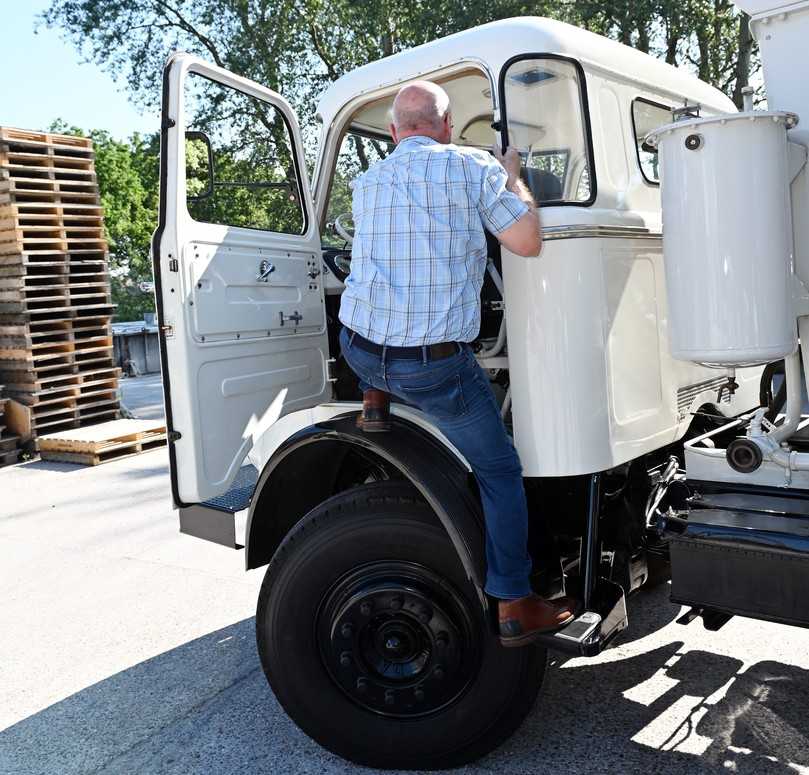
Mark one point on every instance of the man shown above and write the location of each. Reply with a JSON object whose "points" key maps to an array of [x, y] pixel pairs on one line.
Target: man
{"points": [[412, 303]]}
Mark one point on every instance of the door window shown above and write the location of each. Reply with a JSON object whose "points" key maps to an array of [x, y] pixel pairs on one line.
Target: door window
{"points": [[545, 118], [646, 117], [241, 168]]}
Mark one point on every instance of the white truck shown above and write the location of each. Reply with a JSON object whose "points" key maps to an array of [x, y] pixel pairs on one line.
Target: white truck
{"points": [[634, 365]]}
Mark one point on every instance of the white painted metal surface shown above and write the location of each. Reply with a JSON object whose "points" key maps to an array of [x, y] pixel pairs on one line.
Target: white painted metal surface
{"points": [[707, 462], [781, 30], [593, 382], [233, 369], [727, 238]]}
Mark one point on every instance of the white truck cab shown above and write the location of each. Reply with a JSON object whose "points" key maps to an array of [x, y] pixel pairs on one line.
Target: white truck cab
{"points": [[372, 624]]}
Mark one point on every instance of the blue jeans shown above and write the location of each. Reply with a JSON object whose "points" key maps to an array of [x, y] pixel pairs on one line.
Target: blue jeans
{"points": [[455, 394]]}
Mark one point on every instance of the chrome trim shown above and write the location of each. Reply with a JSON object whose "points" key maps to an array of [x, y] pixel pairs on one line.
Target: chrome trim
{"points": [[687, 393], [584, 230]]}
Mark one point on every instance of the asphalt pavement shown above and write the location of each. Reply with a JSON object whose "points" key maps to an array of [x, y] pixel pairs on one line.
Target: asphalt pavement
{"points": [[128, 648]]}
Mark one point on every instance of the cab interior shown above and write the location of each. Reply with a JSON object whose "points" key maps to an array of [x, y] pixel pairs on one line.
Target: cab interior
{"points": [[544, 122]]}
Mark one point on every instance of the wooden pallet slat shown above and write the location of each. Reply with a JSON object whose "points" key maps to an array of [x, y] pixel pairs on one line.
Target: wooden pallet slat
{"points": [[97, 444], [56, 307]]}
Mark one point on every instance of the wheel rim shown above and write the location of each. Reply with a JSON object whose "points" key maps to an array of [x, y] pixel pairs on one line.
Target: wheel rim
{"points": [[398, 639]]}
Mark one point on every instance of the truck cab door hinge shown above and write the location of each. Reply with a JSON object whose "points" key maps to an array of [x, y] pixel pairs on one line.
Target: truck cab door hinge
{"points": [[174, 436], [330, 367]]}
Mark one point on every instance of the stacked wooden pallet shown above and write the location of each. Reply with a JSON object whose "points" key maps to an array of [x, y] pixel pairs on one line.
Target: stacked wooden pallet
{"points": [[8, 442], [104, 442], [55, 303]]}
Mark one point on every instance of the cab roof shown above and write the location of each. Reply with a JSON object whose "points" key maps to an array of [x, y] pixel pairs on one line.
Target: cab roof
{"points": [[495, 43]]}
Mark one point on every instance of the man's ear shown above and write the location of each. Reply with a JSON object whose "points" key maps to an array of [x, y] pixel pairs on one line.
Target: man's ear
{"points": [[394, 134]]}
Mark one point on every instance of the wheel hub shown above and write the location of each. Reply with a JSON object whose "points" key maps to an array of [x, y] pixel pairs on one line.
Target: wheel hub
{"points": [[397, 639]]}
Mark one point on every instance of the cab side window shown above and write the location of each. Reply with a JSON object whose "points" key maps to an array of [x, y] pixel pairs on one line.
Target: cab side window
{"points": [[544, 107], [241, 168], [646, 117]]}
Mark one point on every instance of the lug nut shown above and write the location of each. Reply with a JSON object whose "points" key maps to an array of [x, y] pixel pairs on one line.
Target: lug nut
{"points": [[366, 608], [345, 658], [425, 614], [347, 630], [438, 672], [362, 685], [396, 603], [441, 639], [389, 698], [418, 693]]}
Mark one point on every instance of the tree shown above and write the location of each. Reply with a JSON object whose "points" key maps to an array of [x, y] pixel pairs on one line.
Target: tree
{"points": [[127, 175], [297, 46]]}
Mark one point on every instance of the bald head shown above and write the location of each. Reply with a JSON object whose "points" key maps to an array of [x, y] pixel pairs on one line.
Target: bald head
{"points": [[421, 108]]}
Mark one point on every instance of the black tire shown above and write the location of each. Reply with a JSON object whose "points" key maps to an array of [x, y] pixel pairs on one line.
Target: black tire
{"points": [[356, 568]]}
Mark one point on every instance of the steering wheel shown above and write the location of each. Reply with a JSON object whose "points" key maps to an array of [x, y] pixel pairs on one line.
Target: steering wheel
{"points": [[340, 227]]}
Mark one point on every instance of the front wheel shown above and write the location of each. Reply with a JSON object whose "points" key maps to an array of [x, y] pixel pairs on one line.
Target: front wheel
{"points": [[376, 644]]}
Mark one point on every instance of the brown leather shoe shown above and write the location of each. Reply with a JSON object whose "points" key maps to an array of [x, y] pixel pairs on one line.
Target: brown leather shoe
{"points": [[375, 417], [522, 620]]}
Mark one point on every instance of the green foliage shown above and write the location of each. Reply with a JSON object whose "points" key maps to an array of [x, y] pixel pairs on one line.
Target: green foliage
{"points": [[297, 46], [253, 175], [128, 183]]}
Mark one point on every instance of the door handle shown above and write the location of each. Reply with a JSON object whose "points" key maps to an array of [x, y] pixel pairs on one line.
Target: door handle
{"points": [[265, 269], [296, 317]]}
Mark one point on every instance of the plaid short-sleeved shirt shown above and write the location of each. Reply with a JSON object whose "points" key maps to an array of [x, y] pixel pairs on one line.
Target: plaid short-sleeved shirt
{"points": [[419, 253]]}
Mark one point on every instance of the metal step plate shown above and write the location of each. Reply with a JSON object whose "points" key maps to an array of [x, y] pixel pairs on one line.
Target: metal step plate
{"points": [[240, 493], [214, 520]]}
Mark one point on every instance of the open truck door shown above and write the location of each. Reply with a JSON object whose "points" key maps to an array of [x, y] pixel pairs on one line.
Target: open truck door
{"points": [[237, 273]]}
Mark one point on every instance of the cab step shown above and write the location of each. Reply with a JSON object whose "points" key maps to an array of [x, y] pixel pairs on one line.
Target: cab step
{"points": [[215, 519], [592, 630]]}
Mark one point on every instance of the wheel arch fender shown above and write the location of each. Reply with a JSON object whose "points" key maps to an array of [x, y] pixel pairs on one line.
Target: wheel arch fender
{"points": [[303, 472]]}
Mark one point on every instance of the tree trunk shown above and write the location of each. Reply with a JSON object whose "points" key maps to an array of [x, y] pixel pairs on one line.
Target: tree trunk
{"points": [[743, 59], [643, 38]]}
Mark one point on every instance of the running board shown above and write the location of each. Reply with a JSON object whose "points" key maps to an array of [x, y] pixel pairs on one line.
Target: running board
{"points": [[215, 520], [591, 631]]}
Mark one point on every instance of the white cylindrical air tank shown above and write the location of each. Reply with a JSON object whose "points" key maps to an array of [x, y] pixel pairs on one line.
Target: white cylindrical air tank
{"points": [[727, 241]]}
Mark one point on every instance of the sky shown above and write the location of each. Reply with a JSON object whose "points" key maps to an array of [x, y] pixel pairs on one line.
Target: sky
{"points": [[44, 79]]}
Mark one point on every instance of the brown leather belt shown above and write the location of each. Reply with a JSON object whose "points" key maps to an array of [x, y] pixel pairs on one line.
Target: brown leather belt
{"points": [[435, 352]]}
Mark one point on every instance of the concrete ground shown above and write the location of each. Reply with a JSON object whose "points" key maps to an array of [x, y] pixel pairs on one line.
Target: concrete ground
{"points": [[128, 648], [143, 396]]}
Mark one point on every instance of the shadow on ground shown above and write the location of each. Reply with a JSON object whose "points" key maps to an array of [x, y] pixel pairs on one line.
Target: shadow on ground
{"points": [[205, 707]]}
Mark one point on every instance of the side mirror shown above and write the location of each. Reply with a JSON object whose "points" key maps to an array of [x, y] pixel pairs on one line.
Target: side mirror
{"points": [[199, 171]]}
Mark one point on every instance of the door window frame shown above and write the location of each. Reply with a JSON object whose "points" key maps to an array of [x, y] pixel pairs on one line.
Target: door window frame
{"points": [[584, 104], [306, 215], [647, 101]]}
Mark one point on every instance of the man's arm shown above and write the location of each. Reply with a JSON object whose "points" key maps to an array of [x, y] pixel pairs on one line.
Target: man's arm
{"points": [[523, 237]]}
